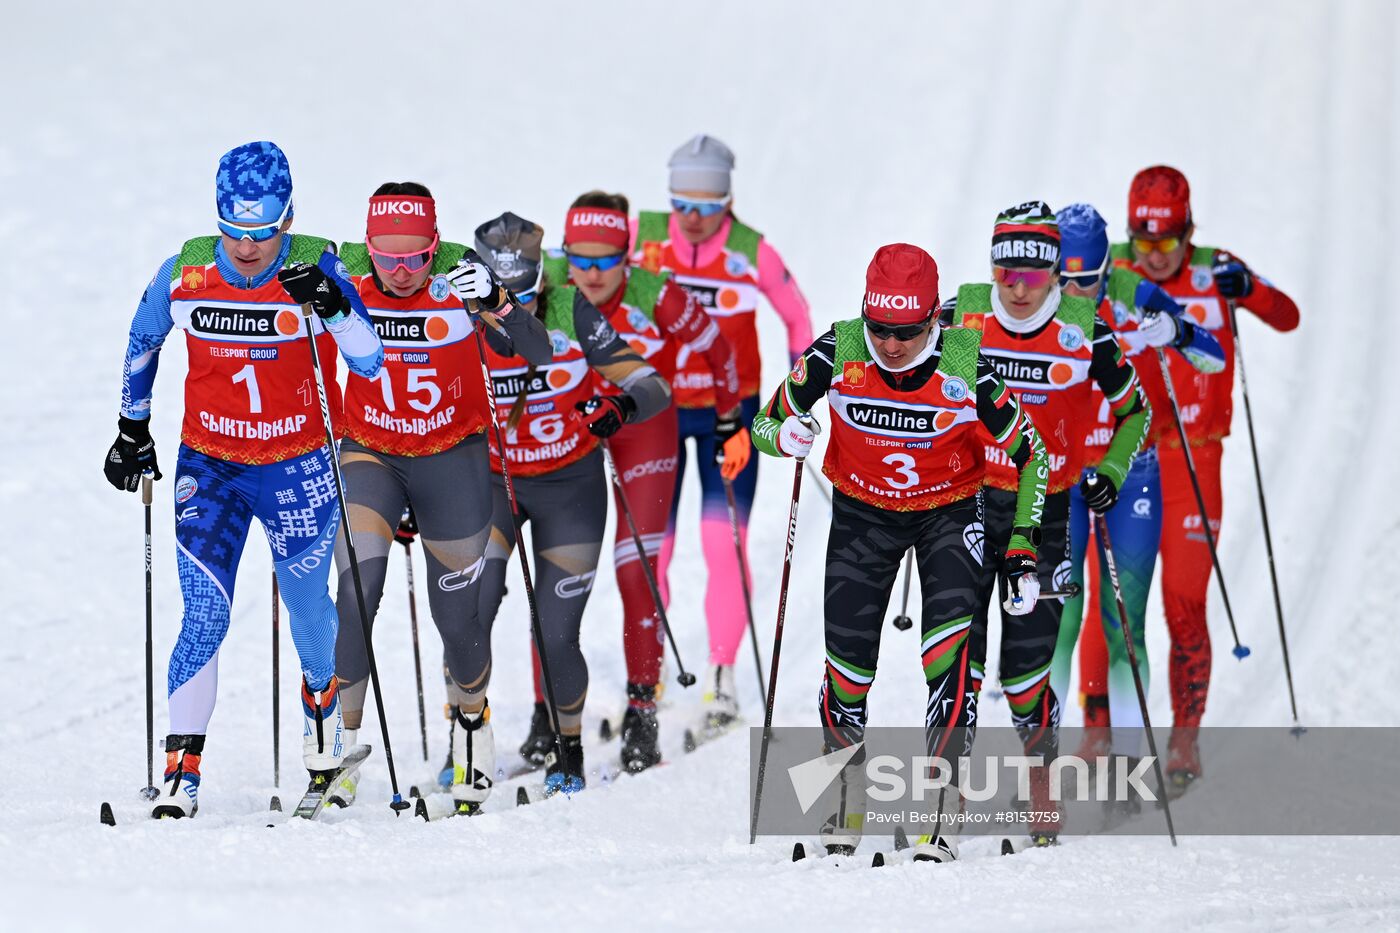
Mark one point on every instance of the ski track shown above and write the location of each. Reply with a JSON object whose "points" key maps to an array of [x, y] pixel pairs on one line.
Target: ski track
{"points": [[904, 121]]}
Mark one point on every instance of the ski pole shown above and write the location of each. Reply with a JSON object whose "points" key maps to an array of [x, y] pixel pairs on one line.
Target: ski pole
{"points": [[535, 628], [902, 621], [685, 678], [276, 685], [417, 658], [149, 791], [1264, 514], [398, 803], [744, 581], [1240, 651], [777, 642], [1133, 663]]}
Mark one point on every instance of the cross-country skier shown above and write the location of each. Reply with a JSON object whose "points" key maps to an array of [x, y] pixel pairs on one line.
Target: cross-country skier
{"points": [[908, 397], [253, 443], [725, 265], [1144, 318], [553, 416], [1050, 348], [417, 433], [658, 320], [1207, 281]]}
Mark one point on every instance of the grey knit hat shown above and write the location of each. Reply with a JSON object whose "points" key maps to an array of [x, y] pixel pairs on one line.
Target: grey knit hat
{"points": [[510, 244], [702, 164]]}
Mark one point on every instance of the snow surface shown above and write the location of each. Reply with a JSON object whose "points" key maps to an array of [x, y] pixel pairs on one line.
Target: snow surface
{"points": [[854, 126]]}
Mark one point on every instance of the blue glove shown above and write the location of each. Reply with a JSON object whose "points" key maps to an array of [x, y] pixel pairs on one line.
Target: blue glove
{"points": [[1232, 278], [1149, 296]]}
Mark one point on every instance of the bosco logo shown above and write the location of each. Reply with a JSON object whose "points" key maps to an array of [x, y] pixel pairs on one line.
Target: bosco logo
{"points": [[954, 389], [287, 323]]}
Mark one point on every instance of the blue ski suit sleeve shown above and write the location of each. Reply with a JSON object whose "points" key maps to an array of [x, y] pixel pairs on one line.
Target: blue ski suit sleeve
{"points": [[354, 333], [148, 332], [1196, 344]]}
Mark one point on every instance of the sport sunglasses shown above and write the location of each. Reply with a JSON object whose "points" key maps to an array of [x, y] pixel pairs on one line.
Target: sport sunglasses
{"points": [[897, 331], [259, 233], [1164, 245], [708, 207], [601, 263], [1086, 280], [413, 262], [1033, 278]]}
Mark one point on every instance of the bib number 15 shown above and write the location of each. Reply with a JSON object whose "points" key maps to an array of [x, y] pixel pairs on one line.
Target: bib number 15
{"points": [[903, 465], [419, 381]]}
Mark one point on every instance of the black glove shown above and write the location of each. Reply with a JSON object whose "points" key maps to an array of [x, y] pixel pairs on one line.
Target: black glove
{"points": [[1099, 492], [408, 528], [1232, 277], [131, 454], [307, 284], [725, 428], [604, 415]]}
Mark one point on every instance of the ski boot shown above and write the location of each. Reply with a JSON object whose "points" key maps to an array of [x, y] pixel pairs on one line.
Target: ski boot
{"points": [[180, 798], [474, 759], [323, 733], [842, 829], [564, 776], [536, 747], [641, 744], [342, 793], [719, 706], [1046, 816], [1183, 761], [942, 844]]}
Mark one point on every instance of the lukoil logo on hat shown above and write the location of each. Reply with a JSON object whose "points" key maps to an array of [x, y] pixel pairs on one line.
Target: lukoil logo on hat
{"points": [[901, 285]]}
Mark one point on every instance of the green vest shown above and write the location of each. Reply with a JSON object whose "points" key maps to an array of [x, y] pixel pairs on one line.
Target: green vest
{"points": [[652, 227], [1200, 255], [977, 299], [200, 252], [357, 262], [958, 349]]}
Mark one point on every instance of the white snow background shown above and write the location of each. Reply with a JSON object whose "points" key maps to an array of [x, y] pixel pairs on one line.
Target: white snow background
{"points": [[855, 125]]}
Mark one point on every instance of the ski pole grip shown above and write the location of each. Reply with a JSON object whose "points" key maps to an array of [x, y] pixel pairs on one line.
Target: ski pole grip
{"points": [[146, 489], [307, 310]]}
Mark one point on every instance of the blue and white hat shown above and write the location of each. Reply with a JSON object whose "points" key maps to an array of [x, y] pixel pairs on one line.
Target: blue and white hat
{"points": [[254, 185]]}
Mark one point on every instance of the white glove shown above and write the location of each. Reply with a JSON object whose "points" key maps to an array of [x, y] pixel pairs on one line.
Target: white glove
{"points": [[1158, 329], [795, 438], [1021, 595], [1022, 584], [471, 280]]}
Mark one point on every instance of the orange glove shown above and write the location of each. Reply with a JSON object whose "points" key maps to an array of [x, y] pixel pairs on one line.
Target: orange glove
{"points": [[736, 455]]}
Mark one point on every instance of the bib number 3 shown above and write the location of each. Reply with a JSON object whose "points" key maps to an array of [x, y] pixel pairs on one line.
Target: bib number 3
{"points": [[903, 465]]}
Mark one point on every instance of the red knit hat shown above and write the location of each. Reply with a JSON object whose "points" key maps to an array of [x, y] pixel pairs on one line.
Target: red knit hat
{"points": [[1159, 202], [901, 286]]}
